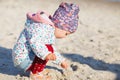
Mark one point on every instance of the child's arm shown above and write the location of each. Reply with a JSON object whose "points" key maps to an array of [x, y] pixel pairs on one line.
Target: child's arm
{"points": [[39, 49], [60, 60]]}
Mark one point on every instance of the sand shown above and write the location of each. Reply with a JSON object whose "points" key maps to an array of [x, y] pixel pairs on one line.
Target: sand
{"points": [[93, 51]]}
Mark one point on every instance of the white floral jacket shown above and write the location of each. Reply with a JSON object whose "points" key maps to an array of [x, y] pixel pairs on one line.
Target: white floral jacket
{"points": [[34, 37]]}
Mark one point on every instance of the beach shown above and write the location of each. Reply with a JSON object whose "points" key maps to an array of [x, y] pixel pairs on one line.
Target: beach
{"points": [[92, 52]]}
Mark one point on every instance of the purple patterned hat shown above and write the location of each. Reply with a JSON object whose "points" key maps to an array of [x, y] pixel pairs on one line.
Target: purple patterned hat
{"points": [[66, 17]]}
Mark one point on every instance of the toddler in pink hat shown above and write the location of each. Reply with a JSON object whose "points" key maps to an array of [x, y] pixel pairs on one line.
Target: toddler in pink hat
{"points": [[35, 45]]}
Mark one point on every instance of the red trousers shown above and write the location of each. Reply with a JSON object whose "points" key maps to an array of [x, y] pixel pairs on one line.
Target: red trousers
{"points": [[38, 64]]}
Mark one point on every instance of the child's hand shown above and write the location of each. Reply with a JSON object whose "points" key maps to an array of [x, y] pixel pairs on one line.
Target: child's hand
{"points": [[51, 56], [64, 65]]}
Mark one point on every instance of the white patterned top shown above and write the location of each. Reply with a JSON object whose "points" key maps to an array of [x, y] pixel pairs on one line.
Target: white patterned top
{"points": [[34, 37]]}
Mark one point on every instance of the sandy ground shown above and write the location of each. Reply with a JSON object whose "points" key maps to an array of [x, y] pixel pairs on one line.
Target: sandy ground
{"points": [[93, 52]]}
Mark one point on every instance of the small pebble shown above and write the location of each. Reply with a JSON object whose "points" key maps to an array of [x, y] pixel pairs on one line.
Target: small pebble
{"points": [[74, 67]]}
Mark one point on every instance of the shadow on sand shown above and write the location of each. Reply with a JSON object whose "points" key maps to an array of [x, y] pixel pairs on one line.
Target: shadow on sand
{"points": [[7, 67], [95, 64], [6, 63]]}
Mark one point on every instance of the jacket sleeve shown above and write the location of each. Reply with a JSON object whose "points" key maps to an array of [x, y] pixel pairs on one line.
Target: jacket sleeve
{"points": [[36, 41], [59, 57], [39, 48]]}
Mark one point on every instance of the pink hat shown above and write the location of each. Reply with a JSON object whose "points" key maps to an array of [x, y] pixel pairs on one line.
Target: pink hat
{"points": [[66, 17]]}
